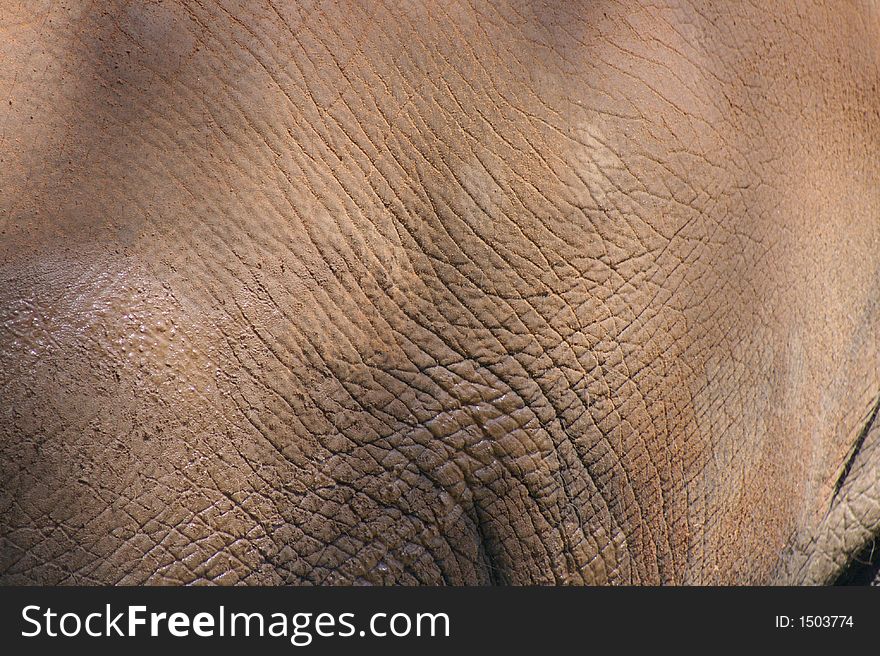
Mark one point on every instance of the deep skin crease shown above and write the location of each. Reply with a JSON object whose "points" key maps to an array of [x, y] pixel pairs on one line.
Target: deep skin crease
{"points": [[448, 293]]}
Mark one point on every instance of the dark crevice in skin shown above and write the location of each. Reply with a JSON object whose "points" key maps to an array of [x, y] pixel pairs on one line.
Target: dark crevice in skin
{"points": [[856, 448], [863, 568], [490, 560]]}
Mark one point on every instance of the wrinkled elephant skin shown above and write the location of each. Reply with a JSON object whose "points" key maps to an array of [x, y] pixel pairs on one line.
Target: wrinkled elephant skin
{"points": [[438, 292]]}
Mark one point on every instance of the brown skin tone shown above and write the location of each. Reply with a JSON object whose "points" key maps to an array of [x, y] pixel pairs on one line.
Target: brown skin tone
{"points": [[464, 293]]}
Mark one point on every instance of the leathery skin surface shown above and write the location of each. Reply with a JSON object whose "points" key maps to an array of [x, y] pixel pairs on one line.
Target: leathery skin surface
{"points": [[441, 292]]}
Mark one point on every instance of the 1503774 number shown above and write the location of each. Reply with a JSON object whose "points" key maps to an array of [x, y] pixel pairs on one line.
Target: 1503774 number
{"points": [[814, 621], [825, 621]]}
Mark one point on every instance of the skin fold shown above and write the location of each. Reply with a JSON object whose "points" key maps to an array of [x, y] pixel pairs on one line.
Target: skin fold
{"points": [[438, 293]]}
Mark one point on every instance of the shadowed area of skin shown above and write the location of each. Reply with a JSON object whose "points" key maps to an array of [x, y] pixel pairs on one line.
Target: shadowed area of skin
{"points": [[435, 293]]}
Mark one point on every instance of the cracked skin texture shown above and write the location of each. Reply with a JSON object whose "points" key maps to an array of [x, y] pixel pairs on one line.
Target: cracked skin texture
{"points": [[436, 293]]}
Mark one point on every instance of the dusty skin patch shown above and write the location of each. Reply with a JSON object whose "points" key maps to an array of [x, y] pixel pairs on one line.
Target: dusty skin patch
{"points": [[98, 357]]}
